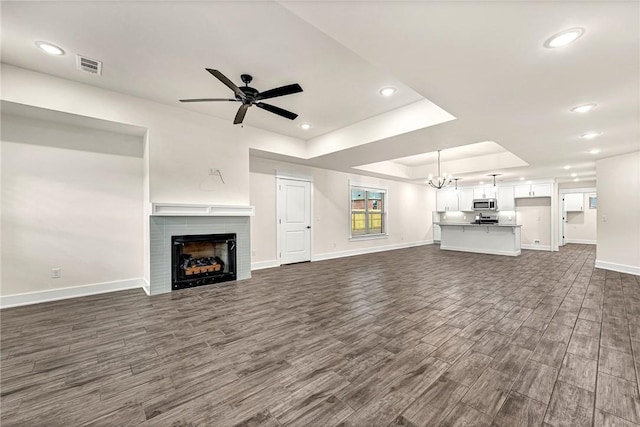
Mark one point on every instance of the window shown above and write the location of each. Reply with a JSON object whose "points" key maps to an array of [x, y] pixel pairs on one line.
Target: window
{"points": [[368, 211]]}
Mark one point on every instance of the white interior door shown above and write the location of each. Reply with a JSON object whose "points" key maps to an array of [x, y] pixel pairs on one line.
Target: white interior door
{"points": [[294, 220]]}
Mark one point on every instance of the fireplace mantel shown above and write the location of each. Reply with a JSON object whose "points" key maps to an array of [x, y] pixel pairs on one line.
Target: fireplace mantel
{"points": [[177, 209]]}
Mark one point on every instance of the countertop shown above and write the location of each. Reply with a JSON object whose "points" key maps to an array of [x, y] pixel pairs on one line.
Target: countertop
{"points": [[467, 224]]}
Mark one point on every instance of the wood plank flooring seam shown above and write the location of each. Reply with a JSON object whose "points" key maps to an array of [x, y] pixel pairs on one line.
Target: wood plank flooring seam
{"points": [[376, 317]]}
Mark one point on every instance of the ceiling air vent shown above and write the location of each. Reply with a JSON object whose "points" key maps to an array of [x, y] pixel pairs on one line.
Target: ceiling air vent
{"points": [[89, 65]]}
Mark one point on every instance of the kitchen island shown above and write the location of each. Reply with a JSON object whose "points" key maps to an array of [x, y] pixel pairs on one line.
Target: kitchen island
{"points": [[495, 239]]}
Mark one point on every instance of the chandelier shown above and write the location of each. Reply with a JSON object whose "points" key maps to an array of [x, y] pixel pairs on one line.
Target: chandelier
{"points": [[442, 180]]}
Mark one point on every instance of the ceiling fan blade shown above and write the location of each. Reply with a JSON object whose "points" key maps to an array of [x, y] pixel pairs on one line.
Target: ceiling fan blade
{"points": [[217, 74], [241, 113], [207, 99], [276, 110], [279, 91]]}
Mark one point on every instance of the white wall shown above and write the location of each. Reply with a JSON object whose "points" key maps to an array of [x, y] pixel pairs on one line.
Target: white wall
{"points": [[409, 211], [263, 224], [71, 198], [183, 145], [618, 191], [534, 215], [577, 184]]}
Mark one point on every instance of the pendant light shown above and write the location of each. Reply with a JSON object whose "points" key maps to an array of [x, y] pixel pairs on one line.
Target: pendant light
{"points": [[442, 180]]}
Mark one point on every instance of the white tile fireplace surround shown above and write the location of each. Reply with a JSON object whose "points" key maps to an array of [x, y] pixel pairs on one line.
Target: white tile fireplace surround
{"points": [[169, 220]]}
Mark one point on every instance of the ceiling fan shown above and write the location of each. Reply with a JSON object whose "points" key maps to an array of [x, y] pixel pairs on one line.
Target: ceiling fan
{"points": [[250, 96]]}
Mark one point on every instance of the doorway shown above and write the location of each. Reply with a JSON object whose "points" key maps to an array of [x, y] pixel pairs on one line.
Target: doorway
{"points": [[577, 216], [293, 220]]}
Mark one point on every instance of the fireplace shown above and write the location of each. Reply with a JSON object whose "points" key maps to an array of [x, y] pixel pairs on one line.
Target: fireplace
{"points": [[202, 259], [179, 220]]}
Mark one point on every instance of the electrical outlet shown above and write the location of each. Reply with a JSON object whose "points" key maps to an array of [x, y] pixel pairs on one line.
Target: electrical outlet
{"points": [[334, 244], [56, 273], [253, 253], [604, 218], [536, 242]]}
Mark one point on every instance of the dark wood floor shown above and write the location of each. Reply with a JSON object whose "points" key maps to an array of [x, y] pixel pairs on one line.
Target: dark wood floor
{"points": [[409, 337]]}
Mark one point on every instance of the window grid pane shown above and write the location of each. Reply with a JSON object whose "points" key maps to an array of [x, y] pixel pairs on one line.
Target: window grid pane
{"points": [[367, 212]]}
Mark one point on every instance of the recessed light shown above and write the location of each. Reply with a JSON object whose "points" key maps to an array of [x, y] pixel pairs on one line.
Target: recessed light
{"points": [[583, 108], [387, 91], [481, 182], [522, 178], [566, 167], [564, 38], [51, 49], [305, 126], [576, 180], [594, 151], [590, 135], [573, 175]]}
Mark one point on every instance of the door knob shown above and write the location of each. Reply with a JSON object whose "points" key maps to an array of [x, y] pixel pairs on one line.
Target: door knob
{"points": [[308, 226]]}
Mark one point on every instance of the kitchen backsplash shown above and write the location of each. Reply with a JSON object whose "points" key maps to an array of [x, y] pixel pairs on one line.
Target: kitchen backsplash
{"points": [[504, 217]]}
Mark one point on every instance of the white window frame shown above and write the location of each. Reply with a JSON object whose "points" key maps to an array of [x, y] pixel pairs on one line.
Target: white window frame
{"points": [[385, 212]]}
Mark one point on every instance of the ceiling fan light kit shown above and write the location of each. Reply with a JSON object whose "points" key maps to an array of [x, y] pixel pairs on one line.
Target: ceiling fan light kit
{"points": [[249, 96]]}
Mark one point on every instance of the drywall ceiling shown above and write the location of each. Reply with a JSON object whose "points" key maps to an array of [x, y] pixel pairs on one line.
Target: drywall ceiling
{"points": [[159, 51], [481, 66], [457, 161]]}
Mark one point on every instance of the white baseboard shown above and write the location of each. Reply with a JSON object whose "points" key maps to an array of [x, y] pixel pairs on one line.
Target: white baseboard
{"points": [[621, 268], [146, 286], [65, 293], [264, 264], [537, 247], [371, 250], [580, 241], [479, 251]]}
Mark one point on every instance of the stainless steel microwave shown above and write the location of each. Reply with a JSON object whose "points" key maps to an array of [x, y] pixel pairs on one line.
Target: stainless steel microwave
{"points": [[485, 205]]}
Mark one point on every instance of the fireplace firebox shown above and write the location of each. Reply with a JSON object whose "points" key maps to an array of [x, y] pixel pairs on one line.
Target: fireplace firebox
{"points": [[202, 260]]}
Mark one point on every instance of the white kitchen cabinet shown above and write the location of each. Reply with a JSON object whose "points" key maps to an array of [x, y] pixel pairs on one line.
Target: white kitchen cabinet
{"points": [[435, 219], [493, 239], [465, 198], [506, 200], [532, 190], [446, 200], [520, 191], [541, 190], [574, 202], [487, 192]]}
